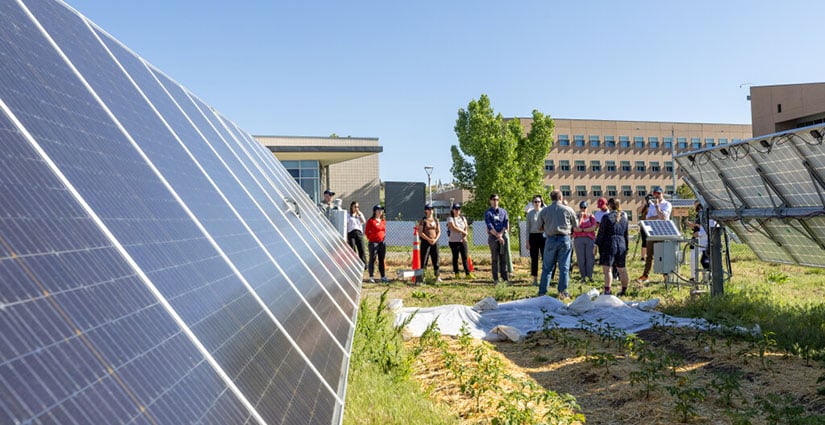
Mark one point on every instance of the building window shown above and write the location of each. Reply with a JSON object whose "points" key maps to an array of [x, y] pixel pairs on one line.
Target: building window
{"points": [[564, 140], [612, 192], [639, 142], [629, 215], [626, 166], [668, 166], [581, 191], [735, 140], [596, 166], [681, 142], [654, 167], [653, 142], [641, 190], [640, 166], [709, 143], [609, 142], [596, 191], [668, 143], [669, 189], [580, 167], [627, 191], [564, 165], [723, 142], [624, 141], [595, 142], [306, 173], [548, 165], [611, 166], [695, 143], [565, 191], [579, 140]]}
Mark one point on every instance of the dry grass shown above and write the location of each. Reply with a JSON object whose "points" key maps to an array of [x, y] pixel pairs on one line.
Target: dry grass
{"points": [[772, 387]]}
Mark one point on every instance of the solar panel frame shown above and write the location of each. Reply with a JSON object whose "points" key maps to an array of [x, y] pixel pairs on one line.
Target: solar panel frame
{"points": [[770, 190]]}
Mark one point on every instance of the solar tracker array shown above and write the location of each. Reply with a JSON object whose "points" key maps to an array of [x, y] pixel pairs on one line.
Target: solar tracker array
{"points": [[770, 190], [157, 265]]}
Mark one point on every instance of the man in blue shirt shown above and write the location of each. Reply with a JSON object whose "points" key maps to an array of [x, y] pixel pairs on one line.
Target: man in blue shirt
{"points": [[498, 224], [557, 221]]}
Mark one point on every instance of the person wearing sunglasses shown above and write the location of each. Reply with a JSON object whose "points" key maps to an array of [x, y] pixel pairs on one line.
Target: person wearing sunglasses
{"points": [[535, 239]]}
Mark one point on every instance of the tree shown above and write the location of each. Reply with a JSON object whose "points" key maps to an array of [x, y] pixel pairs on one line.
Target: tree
{"points": [[495, 155]]}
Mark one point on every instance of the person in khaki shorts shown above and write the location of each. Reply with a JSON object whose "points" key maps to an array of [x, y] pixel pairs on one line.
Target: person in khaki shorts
{"points": [[659, 209]]}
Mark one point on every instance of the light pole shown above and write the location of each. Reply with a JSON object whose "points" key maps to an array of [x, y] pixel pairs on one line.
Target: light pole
{"points": [[429, 170], [673, 160]]}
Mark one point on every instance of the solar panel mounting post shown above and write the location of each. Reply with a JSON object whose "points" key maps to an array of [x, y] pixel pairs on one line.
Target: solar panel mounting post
{"points": [[717, 286]]}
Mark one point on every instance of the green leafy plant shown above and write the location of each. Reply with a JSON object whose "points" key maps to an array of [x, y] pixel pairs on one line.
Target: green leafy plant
{"points": [[727, 384], [687, 397]]}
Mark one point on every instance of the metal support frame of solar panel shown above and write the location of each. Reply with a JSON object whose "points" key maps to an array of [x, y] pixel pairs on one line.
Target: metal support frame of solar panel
{"points": [[770, 190], [157, 265], [660, 230]]}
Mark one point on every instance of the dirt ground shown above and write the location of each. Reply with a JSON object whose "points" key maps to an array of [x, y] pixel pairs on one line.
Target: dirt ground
{"points": [[762, 389], [690, 376]]}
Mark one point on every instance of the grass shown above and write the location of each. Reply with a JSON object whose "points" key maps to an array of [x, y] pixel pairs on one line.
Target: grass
{"points": [[784, 300]]}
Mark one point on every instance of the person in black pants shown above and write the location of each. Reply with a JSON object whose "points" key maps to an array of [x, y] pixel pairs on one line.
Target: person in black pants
{"points": [[430, 231], [535, 239], [457, 229], [355, 231]]}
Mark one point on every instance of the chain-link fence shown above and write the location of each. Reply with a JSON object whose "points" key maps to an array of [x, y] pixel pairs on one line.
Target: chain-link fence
{"points": [[399, 241]]}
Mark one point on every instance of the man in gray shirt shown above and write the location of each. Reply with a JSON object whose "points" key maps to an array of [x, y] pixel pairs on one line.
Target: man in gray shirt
{"points": [[557, 221]]}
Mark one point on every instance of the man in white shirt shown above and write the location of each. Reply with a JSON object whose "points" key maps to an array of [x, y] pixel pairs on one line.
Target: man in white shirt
{"points": [[660, 209]]}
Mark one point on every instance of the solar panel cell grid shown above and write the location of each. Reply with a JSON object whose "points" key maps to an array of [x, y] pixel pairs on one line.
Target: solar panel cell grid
{"points": [[109, 259]]}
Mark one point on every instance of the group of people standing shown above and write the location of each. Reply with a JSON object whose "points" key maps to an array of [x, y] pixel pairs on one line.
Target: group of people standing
{"points": [[375, 229], [556, 230], [429, 231]]}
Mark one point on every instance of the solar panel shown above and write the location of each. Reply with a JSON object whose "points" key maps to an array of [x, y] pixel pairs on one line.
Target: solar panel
{"points": [[152, 267], [660, 230], [770, 190]]}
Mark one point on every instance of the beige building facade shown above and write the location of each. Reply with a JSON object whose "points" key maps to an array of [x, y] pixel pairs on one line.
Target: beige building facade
{"points": [[786, 107], [625, 159], [347, 165]]}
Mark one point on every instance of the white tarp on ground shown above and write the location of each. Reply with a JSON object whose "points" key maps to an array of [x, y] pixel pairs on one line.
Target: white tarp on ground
{"points": [[528, 315]]}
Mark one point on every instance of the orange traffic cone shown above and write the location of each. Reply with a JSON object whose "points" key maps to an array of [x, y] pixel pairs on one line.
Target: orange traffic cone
{"points": [[470, 264], [416, 253]]}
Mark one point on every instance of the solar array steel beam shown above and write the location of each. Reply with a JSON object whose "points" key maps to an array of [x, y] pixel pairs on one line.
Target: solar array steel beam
{"points": [[157, 265], [769, 190]]}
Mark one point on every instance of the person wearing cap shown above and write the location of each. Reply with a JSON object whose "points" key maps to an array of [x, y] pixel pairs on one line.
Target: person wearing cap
{"points": [[355, 231], [535, 240], [557, 221], [659, 209], [326, 204], [376, 230], [498, 224], [457, 230], [584, 235], [429, 231]]}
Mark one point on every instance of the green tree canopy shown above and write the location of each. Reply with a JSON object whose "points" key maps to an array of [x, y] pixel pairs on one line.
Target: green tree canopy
{"points": [[495, 155]]}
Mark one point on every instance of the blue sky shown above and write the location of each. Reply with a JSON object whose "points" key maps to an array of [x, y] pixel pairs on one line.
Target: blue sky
{"points": [[400, 71]]}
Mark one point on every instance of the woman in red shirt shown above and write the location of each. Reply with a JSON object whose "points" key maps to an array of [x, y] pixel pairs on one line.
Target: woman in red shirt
{"points": [[376, 230]]}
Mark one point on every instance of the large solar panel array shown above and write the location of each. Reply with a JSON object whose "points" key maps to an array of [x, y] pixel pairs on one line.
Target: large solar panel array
{"points": [[157, 265], [769, 190]]}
